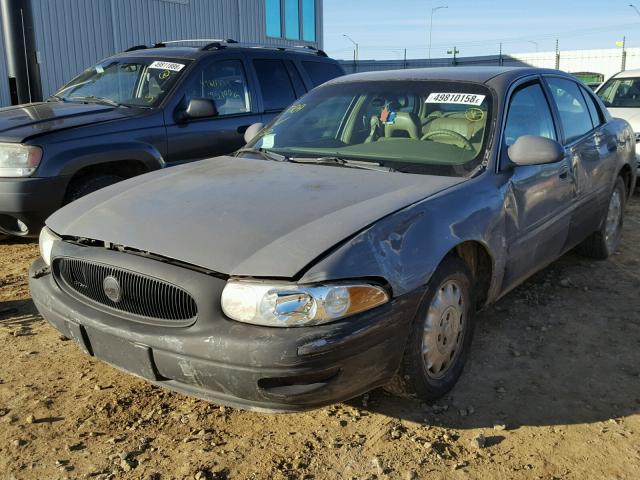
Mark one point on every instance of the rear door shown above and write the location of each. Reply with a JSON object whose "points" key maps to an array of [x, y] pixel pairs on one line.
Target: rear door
{"points": [[225, 81], [592, 146], [539, 197]]}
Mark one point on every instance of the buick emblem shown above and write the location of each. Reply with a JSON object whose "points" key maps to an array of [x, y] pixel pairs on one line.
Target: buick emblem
{"points": [[112, 289]]}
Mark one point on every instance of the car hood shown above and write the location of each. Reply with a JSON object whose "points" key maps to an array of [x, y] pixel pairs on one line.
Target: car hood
{"points": [[243, 216], [631, 115], [22, 122]]}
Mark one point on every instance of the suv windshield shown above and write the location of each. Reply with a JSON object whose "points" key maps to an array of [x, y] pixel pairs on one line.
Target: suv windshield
{"points": [[126, 81], [621, 93], [416, 126]]}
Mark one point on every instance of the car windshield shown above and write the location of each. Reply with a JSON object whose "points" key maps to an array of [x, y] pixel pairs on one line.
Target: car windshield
{"points": [[127, 81], [621, 93], [410, 126]]}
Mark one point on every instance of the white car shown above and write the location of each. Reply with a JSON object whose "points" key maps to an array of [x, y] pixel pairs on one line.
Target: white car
{"points": [[621, 95]]}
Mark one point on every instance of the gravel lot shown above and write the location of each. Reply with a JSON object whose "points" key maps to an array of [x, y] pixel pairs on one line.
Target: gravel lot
{"points": [[551, 391]]}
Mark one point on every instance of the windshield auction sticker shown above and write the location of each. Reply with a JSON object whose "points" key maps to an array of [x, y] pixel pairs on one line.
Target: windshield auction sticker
{"points": [[459, 98], [176, 67]]}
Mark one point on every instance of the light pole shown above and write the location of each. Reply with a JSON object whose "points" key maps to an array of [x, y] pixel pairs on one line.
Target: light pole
{"points": [[534, 43], [635, 8], [355, 52], [433, 10]]}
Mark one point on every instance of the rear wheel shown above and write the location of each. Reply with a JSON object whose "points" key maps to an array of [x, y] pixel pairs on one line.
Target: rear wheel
{"points": [[89, 184], [604, 242], [441, 335]]}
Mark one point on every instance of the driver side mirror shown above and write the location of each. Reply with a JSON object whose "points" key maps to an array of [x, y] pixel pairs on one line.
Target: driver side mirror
{"points": [[251, 132], [534, 150], [199, 108]]}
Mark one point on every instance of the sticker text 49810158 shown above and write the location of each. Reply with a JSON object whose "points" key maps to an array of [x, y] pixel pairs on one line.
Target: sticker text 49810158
{"points": [[460, 98]]}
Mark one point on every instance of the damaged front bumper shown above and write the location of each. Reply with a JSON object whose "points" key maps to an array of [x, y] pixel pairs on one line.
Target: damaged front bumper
{"points": [[227, 362]]}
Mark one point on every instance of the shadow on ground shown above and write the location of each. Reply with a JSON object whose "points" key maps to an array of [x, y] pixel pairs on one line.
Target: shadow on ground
{"points": [[19, 314], [561, 349]]}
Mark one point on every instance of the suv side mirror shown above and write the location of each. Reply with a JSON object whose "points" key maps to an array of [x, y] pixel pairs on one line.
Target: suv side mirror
{"points": [[534, 150], [199, 108], [251, 132]]}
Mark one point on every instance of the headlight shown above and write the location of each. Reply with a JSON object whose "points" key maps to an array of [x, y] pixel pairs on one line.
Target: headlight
{"points": [[290, 305], [18, 160], [47, 239]]}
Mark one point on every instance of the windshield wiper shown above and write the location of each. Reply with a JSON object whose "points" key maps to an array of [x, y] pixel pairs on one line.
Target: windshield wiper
{"points": [[94, 99], [264, 153], [57, 98], [343, 162]]}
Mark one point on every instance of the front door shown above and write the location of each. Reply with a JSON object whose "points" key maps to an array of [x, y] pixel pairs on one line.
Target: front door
{"points": [[538, 197], [225, 82]]}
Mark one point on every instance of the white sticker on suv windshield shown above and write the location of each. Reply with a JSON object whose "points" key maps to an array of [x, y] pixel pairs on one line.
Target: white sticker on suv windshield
{"points": [[460, 98], [176, 67], [268, 141]]}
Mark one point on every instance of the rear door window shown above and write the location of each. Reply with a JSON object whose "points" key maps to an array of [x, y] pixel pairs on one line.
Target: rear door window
{"points": [[594, 110], [275, 84], [574, 113], [320, 72]]}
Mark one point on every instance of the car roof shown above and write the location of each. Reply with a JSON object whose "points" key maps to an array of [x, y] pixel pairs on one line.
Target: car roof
{"points": [[468, 74], [194, 53], [628, 73]]}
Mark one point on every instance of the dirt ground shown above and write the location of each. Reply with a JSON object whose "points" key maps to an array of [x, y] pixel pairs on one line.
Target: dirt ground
{"points": [[551, 391]]}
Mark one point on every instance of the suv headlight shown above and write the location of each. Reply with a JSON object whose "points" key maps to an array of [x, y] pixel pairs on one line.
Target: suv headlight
{"points": [[18, 160], [47, 240], [290, 305]]}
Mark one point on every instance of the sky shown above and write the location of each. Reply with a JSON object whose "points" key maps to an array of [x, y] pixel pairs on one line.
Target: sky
{"points": [[384, 28]]}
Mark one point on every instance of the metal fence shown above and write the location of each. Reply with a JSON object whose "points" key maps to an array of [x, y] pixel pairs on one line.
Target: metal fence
{"points": [[602, 61]]}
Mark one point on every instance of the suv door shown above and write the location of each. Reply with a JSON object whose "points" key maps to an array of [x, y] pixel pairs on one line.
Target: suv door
{"points": [[539, 197], [225, 82], [591, 146]]}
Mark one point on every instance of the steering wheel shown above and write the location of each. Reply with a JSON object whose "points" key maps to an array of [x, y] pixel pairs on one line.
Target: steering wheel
{"points": [[449, 133]]}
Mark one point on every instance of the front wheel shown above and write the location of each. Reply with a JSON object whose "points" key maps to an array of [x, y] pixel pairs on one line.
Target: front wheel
{"points": [[86, 185], [604, 242], [441, 335]]}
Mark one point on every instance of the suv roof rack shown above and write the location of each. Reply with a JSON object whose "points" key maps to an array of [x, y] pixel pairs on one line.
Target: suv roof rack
{"points": [[218, 44], [136, 47]]}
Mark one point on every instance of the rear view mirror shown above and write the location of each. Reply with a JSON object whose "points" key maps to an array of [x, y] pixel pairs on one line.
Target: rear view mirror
{"points": [[199, 108], [534, 150], [251, 132]]}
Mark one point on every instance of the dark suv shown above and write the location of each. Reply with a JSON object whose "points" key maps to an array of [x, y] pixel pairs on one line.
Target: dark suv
{"points": [[142, 110]]}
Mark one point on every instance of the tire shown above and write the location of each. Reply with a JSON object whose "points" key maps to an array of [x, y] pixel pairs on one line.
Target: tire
{"points": [[602, 243], [86, 185], [419, 374]]}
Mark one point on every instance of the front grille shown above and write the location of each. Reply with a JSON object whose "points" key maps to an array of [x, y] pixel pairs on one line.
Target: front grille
{"points": [[139, 294]]}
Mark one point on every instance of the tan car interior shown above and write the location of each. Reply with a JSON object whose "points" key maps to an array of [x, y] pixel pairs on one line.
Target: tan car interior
{"points": [[463, 128]]}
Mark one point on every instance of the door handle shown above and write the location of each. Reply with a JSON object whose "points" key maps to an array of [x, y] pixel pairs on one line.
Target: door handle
{"points": [[563, 172]]}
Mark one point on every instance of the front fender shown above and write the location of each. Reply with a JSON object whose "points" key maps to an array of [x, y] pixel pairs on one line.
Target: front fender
{"points": [[405, 248], [75, 159]]}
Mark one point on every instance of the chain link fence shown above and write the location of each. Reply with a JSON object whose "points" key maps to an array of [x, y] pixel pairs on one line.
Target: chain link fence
{"points": [[604, 62]]}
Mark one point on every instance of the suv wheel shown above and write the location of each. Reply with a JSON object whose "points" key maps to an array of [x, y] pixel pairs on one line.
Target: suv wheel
{"points": [[604, 242], [441, 336], [86, 185]]}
